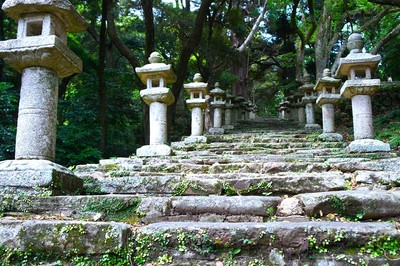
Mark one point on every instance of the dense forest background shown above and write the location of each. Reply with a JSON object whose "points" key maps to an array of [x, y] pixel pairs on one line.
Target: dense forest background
{"points": [[256, 49]]}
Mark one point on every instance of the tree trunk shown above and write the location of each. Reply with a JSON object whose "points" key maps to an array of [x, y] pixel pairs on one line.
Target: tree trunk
{"points": [[147, 6], [101, 76]]}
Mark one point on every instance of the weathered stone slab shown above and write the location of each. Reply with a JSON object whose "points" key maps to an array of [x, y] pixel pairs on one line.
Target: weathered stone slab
{"points": [[236, 205], [354, 164], [363, 203], [282, 183], [37, 177], [258, 238], [143, 183], [378, 177], [62, 237]]}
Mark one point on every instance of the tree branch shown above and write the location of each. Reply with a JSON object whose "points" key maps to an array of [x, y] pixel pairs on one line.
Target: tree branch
{"points": [[121, 46], [386, 39], [386, 2], [254, 29]]}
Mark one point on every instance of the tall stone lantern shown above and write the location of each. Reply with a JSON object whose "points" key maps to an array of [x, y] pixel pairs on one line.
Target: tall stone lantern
{"points": [[283, 109], [359, 87], [218, 103], [156, 75], [197, 103], [228, 111], [329, 96], [309, 99], [41, 54]]}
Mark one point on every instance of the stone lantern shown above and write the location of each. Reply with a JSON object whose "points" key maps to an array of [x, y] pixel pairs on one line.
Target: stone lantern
{"points": [[299, 105], [238, 108], [359, 67], [156, 75], [228, 111], [329, 96], [283, 109], [309, 99], [292, 108], [197, 91], [41, 54], [218, 103]]}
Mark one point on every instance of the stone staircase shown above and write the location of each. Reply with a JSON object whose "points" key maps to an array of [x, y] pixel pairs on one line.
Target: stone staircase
{"points": [[266, 193]]}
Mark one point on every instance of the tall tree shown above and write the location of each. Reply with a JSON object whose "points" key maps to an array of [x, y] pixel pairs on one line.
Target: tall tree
{"points": [[101, 77]]}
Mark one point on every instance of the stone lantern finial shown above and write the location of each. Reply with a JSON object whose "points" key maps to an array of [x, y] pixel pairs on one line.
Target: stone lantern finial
{"points": [[355, 43], [197, 77], [326, 73], [155, 58]]}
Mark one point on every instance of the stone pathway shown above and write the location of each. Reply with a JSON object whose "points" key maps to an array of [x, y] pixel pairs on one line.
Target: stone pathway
{"points": [[265, 193]]}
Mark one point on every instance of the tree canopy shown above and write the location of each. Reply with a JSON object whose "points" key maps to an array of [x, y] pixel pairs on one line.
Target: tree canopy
{"points": [[255, 49]]}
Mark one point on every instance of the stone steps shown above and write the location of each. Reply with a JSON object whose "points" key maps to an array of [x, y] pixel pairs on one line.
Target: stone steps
{"points": [[259, 198]]}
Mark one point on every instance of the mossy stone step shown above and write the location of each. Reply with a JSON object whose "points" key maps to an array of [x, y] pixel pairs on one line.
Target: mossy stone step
{"points": [[63, 237], [186, 242]]}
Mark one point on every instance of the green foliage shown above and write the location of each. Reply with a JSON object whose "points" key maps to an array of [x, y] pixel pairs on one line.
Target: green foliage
{"points": [[382, 246], [8, 120], [388, 128]]}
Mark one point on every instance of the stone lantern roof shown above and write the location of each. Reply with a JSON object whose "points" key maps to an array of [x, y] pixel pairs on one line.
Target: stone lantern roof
{"points": [[358, 67], [217, 91], [63, 9], [328, 87], [356, 58], [327, 81], [156, 70], [197, 91], [41, 38]]}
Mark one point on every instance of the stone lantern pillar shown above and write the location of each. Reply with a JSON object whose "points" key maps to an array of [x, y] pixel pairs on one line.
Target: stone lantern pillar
{"points": [[41, 54], [329, 89], [228, 111], [359, 67], [309, 99], [197, 103], [156, 75], [218, 103]]}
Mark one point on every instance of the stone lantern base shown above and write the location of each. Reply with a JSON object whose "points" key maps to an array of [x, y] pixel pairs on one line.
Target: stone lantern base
{"points": [[331, 137], [312, 127], [367, 145], [37, 177], [154, 150], [216, 131], [195, 139]]}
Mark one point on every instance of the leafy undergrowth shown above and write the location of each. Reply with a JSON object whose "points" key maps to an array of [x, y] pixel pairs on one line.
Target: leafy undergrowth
{"points": [[387, 128]]}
